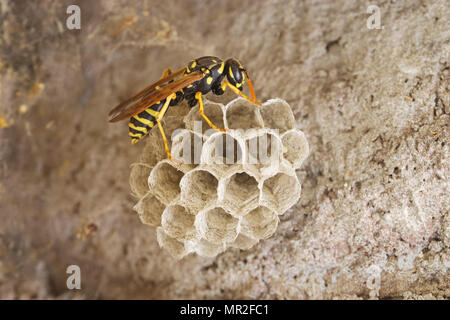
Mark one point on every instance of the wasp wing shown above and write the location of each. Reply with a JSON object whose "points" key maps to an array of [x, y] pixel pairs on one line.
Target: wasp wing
{"points": [[150, 95], [146, 91]]}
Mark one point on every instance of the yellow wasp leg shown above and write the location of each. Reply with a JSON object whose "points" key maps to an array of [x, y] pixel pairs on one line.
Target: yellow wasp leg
{"points": [[224, 86], [198, 96], [158, 121], [238, 92], [252, 91]]}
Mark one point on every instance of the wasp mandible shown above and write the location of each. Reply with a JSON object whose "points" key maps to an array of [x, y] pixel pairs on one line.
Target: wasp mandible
{"points": [[199, 77]]}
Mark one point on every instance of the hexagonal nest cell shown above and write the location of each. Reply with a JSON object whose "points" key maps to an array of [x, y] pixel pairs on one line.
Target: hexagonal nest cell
{"points": [[222, 148], [239, 193], [224, 189], [216, 225], [198, 189]]}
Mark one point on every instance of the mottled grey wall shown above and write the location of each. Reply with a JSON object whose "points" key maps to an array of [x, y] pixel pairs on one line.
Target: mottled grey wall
{"points": [[374, 104]]}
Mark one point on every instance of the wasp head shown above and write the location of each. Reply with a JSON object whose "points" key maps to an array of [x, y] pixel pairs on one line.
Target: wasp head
{"points": [[235, 73]]}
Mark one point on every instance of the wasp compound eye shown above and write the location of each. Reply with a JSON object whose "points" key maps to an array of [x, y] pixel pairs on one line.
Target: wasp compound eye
{"points": [[234, 73]]}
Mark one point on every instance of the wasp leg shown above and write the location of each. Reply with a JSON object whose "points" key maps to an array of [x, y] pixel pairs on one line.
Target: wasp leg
{"points": [[252, 91], [158, 121], [167, 72], [198, 96], [238, 92]]}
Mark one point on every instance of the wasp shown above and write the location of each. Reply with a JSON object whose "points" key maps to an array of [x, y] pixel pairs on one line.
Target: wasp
{"points": [[200, 76]]}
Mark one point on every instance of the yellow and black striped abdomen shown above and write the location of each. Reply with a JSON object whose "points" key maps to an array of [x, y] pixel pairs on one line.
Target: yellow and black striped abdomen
{"points": [[143, 122]]}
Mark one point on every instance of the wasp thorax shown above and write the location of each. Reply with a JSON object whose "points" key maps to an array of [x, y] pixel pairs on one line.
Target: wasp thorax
{"points": [[234, 191]]}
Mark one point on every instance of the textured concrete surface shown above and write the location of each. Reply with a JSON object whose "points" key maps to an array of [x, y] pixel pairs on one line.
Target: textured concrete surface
{"points": [[374, 105]]}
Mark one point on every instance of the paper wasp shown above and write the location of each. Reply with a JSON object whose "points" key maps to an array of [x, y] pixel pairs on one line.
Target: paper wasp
{"points": [[200, 76]]}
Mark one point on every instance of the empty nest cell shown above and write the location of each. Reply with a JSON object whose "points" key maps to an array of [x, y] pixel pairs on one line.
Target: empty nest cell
{"points": [[222, 149], [263, 150], [242, 114], [296, 147], [205, 248], [175, 248], [239, 193], [178, 223], [198, 189], [187, 146], [260, 223], [280, 192], [164, 181], [262, 147], [277, 114], [150, 209], [243, 242], [216, 225]]}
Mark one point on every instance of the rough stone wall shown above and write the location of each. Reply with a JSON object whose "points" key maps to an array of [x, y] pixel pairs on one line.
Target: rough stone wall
{"points": [[373, 217]]}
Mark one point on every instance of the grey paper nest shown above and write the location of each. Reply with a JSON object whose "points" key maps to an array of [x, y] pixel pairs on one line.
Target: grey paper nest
{"points": [[208, 204]]}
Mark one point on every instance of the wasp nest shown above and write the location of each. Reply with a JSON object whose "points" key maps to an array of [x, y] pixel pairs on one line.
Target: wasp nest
{"points": [[225, 189]]}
